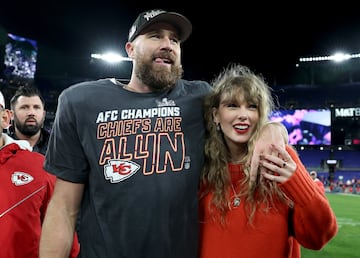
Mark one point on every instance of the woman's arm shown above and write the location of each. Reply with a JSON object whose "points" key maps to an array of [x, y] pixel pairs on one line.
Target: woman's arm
{"points": [[314, 221]]}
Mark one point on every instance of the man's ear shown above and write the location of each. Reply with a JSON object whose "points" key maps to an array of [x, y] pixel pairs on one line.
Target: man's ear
{"points": [[129, 49], [5, 118]]}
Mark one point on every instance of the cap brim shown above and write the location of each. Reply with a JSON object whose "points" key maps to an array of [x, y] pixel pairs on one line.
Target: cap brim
{"points": [[179, 21]]}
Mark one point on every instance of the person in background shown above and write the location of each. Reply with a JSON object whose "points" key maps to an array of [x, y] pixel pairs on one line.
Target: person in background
{"points": [[25, 190], [28, 108], [314, 176], [131, 154], [283, 209]]}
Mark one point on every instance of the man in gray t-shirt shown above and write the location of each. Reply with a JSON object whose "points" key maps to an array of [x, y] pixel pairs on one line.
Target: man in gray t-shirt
{"points": [[130, 155]]}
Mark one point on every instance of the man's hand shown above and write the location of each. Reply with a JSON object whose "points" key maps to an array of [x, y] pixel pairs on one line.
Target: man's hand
{"points": [[271, 133]]}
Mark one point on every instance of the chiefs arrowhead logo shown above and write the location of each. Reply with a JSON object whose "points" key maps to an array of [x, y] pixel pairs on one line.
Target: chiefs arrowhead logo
{"points": [[21, 178], [119, 170]]}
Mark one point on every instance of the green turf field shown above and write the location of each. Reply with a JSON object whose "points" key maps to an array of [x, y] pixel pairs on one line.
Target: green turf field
{"points": [[346, 244]]}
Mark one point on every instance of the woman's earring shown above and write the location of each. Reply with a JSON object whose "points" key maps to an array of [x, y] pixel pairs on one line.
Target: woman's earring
{"points": [[218, 127]]}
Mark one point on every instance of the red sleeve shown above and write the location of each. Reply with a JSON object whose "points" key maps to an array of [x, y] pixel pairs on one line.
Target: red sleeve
{"points": [[75, 250], [313, 219]]}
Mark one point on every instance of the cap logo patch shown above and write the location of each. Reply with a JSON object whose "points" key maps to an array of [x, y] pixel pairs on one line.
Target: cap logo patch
{"points": [[152, 14]]}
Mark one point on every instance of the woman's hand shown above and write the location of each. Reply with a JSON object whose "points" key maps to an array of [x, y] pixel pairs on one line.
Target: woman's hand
{"points": [[272, 133], [278, 168]]}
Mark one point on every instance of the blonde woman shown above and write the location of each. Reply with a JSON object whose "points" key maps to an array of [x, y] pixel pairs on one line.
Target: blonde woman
{"points": [[279, 211]]}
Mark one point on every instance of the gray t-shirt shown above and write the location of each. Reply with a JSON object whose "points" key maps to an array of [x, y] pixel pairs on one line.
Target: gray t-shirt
{"points": [[140, 156]]}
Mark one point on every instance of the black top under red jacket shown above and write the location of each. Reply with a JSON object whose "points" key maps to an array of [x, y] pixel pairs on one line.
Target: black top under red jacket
{"points": [[40, 146]]}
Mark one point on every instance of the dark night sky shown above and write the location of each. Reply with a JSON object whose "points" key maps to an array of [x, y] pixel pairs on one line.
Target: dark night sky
{"points": [[269, 38]]}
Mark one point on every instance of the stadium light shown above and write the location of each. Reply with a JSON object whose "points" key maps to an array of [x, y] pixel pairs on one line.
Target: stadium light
{"points": [[111, 57], [337, 57]]}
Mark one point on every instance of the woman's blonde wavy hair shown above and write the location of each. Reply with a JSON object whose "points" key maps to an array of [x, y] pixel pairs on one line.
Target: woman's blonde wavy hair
{"points": [[234, 81]]}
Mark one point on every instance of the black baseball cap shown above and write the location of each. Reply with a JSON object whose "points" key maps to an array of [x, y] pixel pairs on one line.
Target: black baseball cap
{"points": [[147, 18]]}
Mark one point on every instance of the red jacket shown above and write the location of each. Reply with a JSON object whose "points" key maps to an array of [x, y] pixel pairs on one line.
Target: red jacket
{"points": [[276, 234], [25, 190]]}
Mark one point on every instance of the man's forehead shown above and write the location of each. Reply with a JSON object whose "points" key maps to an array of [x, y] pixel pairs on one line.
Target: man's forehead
{"points": [[34, 97]]}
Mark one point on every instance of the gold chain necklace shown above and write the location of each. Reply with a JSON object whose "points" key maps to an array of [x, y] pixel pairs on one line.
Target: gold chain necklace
{"points": [[235, 199]]}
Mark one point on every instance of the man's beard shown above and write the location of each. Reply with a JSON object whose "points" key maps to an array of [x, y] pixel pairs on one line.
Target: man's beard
{"points": [[28, 130], [157, 78]]}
